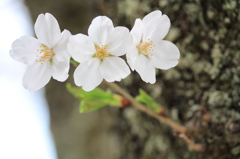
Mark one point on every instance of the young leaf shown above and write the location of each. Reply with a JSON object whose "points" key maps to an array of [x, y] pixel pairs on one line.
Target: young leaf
{"points": [[94, 99], [91, 105], [148, 101]]}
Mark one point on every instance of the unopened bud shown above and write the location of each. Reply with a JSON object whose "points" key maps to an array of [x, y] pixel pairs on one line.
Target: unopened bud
{"points": [[124, 101]]}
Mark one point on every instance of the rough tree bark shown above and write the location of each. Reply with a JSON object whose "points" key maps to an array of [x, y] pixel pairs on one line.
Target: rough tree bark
{"points": [[206, 81]]}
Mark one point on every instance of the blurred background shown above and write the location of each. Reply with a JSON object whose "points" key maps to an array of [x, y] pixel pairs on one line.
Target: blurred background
{"points": [[207, 79], [24, 116]]}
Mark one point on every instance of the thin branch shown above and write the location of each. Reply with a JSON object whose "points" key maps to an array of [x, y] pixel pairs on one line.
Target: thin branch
{"points": [[166, 120], [196, 147], [175, 126]]}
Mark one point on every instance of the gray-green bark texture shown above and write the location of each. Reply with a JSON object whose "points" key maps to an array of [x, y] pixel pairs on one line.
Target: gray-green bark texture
{"points": [[206, 80]]}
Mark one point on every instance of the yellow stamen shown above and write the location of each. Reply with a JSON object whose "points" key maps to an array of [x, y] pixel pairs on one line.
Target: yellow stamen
{"points": [[101, 52], [145, 47], [45, 54]]}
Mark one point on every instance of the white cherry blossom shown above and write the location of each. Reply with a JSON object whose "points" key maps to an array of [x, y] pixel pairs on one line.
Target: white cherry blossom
{"points": [[46, 56], [98, 53], [149, 50]]}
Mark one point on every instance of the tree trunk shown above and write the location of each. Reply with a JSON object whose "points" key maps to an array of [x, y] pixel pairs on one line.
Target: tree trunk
{"points": [[205, 82]]}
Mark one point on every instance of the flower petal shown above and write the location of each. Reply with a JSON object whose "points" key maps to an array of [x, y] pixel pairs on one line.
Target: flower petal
{"points": [[60, 67], [81, 47], [137, 31], [61, 46], [61, 61], [131, 57], [25, 49], [47, 29], [151, 16], [156, 26], [87, 74], [37, 76], [165, 55], [99, 29], [119, 41], [145, 69], [114, 69]]}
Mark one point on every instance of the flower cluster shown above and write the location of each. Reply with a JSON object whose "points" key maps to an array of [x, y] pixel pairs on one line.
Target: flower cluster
{"points": [[98, 53]]}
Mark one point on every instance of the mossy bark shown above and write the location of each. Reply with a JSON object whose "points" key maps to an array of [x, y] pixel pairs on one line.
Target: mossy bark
{"points": [[206, 81]]}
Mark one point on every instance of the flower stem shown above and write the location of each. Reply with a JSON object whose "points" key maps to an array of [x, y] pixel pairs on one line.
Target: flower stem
{"points": [[75, 63]]}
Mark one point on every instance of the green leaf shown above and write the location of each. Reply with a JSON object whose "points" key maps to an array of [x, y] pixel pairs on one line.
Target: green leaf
{"points": [[94, 99], [144, 98], [74, 90], [91, 105]]}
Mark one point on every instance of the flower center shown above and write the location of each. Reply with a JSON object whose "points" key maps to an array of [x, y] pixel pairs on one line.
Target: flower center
{"points": [[45, 54], [101, 52], [145, 47]]}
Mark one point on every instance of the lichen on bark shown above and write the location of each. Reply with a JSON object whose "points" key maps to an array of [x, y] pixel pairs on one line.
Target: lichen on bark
{"points": [[208, 76]]}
